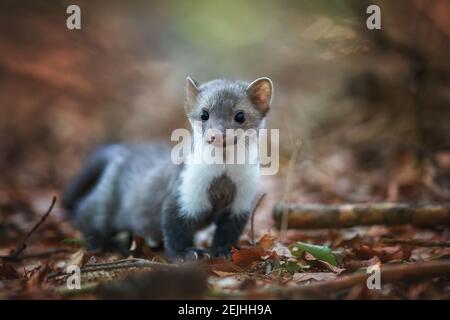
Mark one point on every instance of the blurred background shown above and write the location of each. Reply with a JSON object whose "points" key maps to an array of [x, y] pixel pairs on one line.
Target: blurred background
{"points": [[371, 108]]}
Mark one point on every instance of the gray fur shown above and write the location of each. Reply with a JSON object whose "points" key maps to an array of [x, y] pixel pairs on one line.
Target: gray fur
{"points": [[128, 196]]}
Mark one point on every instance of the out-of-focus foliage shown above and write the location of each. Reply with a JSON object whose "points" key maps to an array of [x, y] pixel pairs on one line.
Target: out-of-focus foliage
{"points": [[362, 101]]}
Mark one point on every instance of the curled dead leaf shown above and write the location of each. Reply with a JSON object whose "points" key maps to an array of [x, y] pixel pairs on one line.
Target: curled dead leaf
{"points": [[317, 276], [75, 259], [322, 264], [245, 257], [266, 242], [385, 254], [38, 275], [223, 274], [353, 265]]}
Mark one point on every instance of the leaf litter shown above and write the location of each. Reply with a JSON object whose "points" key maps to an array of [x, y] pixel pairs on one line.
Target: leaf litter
{"points": [[256, 270]]}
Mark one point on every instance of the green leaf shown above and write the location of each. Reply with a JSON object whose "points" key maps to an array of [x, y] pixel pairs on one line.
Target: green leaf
{"points": [[323, 253]]}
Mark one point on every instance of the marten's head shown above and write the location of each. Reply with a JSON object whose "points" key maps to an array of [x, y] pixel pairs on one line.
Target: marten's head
{"points": [[217, 106]]}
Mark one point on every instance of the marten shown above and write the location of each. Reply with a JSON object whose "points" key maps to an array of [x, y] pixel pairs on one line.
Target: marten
{"points": [[138, 188]]}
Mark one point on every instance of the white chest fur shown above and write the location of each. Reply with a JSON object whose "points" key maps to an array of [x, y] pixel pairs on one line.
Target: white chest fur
{"points": [[196, 179]]}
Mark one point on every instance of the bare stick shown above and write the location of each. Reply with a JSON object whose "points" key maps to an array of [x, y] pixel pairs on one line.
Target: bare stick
{"points": [[418, 242], [316, 216], [252, 217], [287, 194], [42, 254], [115, 269], [22, 245]]}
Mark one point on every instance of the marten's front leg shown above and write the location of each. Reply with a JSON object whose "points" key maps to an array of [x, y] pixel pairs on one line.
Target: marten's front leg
{"points": [[178, 232], [229, 229]]}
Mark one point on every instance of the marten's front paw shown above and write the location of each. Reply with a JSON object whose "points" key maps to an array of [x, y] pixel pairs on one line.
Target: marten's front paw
{"points": [[222, 252], [193, 254]]}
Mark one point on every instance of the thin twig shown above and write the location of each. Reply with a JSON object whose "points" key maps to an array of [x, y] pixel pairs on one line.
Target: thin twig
{"points": [[132, 263], [22, 245], [42, 254], [418, 242], [252, 218], [287, 195]]}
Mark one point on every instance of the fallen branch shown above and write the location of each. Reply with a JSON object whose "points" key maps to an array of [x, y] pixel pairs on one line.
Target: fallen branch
{"points": [[389, 274], [42, 254], [418, 242], [22, 245], [111, 270], [315, 216]]}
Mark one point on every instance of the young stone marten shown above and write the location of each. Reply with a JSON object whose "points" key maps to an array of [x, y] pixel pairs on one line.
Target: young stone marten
{"points": [[139, 188]]}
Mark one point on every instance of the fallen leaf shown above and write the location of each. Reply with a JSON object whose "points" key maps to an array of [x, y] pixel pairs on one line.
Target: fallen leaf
{"points": [[218, 264], [317, 276], [321, 264], [7, 272], [428, 254], [223, 274], [245, 257], [266, 242], [385, 254], [75, 259], [323, 253], [330, 267], [92, 260], [353, 265], [281, 250], [38, 276]]}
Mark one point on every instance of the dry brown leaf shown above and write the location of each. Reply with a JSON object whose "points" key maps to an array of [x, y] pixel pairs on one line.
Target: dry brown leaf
{"points": [[317, 276], [266, 242], [38, 275], [353, 265], [75, 259], [330, 267], [7, 272], [218, 264], [282, 250], [322, 264], [385, 254], [245, 257], [223, 274]]}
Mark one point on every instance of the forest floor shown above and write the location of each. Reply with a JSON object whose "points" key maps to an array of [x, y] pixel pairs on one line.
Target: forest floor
{"points": [[359, 152], [268, 264]]}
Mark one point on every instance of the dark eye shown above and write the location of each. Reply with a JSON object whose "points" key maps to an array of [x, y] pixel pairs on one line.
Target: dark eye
{"points": [[239, 117], [204, 115]]}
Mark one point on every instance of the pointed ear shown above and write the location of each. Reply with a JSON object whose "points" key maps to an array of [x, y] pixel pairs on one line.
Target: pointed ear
{"points": [[191, 94], [260, 94]]}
